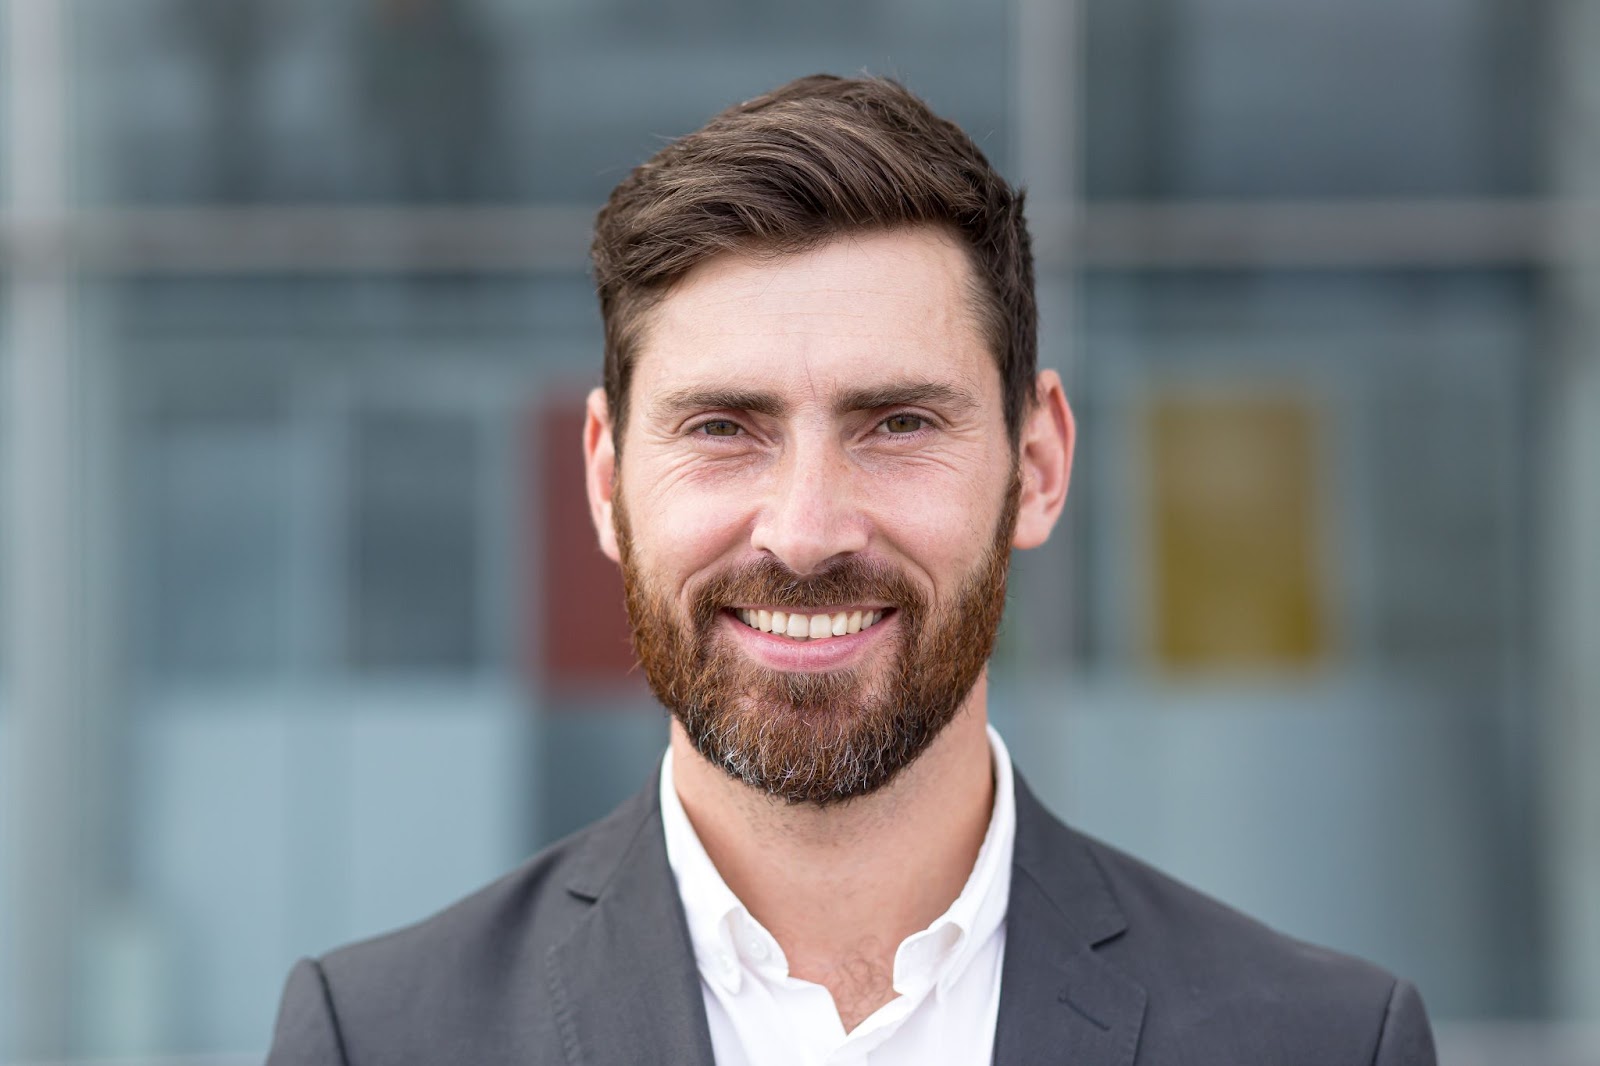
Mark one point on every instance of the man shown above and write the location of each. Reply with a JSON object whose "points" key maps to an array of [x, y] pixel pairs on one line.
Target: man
{"points": [[821, 433]]}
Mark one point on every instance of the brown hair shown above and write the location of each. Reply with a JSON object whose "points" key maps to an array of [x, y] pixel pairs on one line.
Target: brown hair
{"points": [[813, 159]]}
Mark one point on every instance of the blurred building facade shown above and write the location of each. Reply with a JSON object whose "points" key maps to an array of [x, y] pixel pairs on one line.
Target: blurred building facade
{"points": [[297, 322]]}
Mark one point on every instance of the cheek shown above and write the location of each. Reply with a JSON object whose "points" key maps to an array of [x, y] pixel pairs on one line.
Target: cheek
{"points": [[680, 531], [944, 527]]}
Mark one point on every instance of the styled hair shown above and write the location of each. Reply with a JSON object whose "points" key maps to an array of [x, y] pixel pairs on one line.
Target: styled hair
{"points": [[812, 160]]}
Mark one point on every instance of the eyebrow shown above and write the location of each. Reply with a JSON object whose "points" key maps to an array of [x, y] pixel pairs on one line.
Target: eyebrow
{"points": [[683, 401], [869, 398], [908, 394]]}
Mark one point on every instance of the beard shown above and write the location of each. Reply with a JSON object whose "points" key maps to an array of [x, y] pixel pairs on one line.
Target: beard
{"points": [[817, 738]]}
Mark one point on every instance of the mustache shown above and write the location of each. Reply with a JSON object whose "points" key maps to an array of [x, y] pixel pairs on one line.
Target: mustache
{"points": [[769, 582]]}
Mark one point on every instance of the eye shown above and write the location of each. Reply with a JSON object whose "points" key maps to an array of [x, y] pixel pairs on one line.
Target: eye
{"points": [[904, 423], [719, 427]]}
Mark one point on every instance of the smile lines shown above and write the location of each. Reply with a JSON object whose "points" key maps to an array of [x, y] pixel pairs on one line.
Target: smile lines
{"points": [[808, 627]]}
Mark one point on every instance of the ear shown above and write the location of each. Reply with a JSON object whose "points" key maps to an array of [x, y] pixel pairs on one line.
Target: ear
{"points": [[600, 470], [1045, 455]]}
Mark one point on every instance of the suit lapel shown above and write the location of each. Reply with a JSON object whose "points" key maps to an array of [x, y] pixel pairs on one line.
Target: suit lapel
{"points": [[1059, 1000], [624, 985]]}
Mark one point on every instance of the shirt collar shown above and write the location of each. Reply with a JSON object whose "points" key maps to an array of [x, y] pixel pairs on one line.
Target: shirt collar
{"points": [[726, 938], [940, 953], [709, 905]]}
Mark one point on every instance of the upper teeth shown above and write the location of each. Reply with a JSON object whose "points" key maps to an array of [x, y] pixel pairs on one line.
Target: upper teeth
{"points": [[808, 626]]}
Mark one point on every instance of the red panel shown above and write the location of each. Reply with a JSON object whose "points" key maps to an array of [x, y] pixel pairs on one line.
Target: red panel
{"points": [[583, 625]]}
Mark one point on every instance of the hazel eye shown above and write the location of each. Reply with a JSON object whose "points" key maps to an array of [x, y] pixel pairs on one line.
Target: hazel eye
{"points": [[720, 427], [904, 423]]}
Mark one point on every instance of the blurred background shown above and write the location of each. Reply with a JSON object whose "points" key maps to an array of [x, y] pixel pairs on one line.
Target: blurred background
{"points": [[305, 632]]}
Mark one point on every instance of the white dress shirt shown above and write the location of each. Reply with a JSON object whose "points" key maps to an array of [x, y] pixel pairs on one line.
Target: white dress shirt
{"points": [[947, 976]]}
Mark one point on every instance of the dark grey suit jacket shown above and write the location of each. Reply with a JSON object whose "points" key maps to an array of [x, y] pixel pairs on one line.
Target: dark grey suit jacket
{"points": [[581, 957]]}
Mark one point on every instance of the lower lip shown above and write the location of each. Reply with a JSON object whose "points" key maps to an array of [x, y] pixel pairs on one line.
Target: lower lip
{"points": [[829, 653]]}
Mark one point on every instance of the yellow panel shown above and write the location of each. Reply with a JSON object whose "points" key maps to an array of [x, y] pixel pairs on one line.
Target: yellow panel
{"points": [[1237, 573]]}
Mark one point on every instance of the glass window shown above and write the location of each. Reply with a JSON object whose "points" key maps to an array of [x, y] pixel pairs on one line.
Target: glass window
{"points": [[1294, 98], [412, 565], [456, 101]]}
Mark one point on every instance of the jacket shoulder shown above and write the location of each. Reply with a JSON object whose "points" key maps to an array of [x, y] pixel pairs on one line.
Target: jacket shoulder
{"points": [[1201, 936], [529, 901], [409, 995], [1216, 976]]}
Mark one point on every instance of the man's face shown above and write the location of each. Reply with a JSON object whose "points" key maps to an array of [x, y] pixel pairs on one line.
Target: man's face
{"points": [[816, 440]]}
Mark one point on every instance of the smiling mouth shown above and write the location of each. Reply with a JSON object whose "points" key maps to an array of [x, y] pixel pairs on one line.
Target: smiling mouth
{"points": [[803, 627]]}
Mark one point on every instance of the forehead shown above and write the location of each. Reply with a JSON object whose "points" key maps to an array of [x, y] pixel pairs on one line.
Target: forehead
{"points": [[885, 306]]}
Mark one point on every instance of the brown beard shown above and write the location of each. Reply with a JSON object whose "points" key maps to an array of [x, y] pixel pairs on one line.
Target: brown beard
{"points": [[817, 738]]}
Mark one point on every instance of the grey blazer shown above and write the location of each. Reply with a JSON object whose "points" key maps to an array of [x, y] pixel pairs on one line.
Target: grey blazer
{"points": [[581, 957]]}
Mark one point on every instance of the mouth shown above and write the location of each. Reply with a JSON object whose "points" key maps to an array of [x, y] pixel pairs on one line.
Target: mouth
{"points": [[807, 626]]}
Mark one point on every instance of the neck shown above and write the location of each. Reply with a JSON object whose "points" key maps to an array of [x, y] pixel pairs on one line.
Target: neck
{"points": [[840, 887]]}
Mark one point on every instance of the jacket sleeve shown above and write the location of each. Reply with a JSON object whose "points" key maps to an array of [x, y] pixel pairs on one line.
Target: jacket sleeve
{"points": [[1406, 1038], [307, 1033]]}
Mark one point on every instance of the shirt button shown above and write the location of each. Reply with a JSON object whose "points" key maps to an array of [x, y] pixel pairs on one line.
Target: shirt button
{"points": [[757, 949]]}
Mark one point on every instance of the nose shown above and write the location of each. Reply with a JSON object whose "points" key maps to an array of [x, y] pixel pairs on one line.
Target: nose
{"points": [[810, 510]]}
